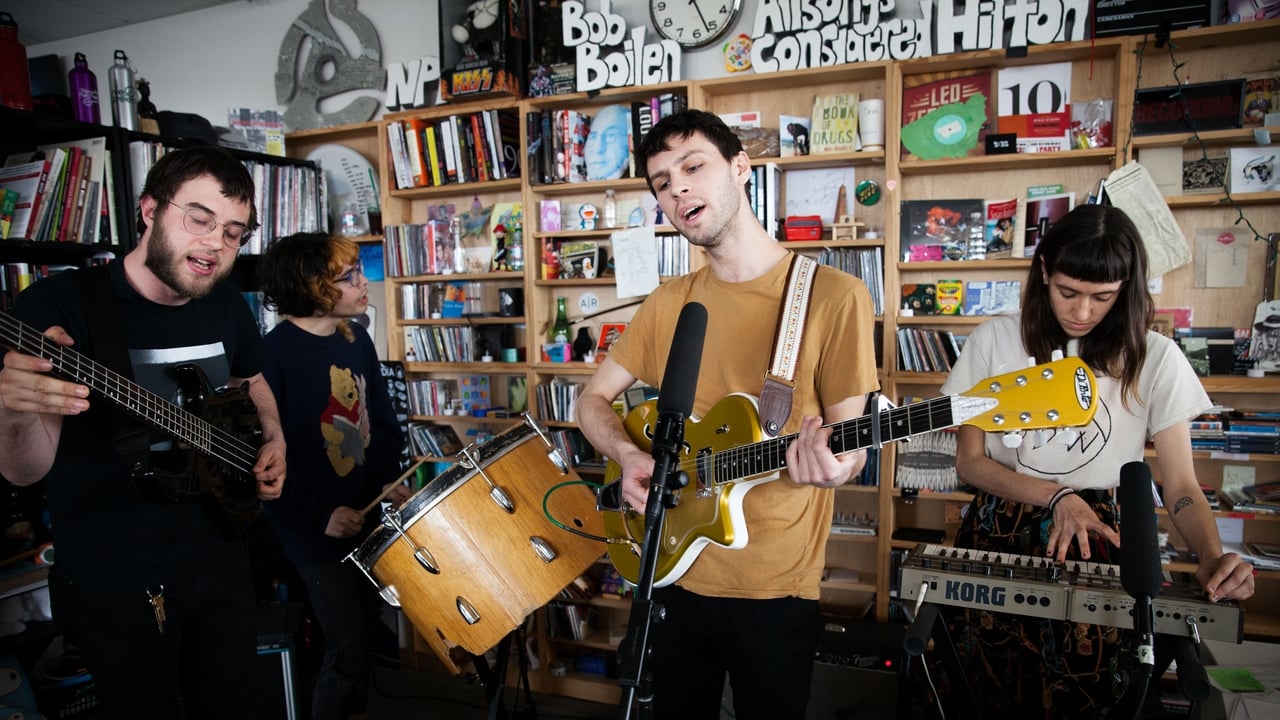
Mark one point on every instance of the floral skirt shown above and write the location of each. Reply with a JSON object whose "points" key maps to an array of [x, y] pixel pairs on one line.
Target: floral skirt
{"points": [[1028, 667]]}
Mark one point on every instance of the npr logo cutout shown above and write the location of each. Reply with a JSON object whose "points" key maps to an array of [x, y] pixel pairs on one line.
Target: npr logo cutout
{"points": [[975, 593]]}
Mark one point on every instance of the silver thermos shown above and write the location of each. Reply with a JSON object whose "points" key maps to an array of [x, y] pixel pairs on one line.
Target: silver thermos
{"points": [[124, 96]]}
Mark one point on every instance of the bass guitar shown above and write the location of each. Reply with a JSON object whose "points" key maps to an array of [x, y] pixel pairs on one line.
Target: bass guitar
{"points": [[725, 454], [217, 429]]}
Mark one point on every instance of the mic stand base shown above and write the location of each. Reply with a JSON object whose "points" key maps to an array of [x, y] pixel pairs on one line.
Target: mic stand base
{"points": [[929, 624]]}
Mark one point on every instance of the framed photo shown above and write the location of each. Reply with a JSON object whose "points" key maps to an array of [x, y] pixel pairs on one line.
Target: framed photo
{"points": [[1204, 174], [609, 333], [584, 263], [1253, 169], [1261, 97]]}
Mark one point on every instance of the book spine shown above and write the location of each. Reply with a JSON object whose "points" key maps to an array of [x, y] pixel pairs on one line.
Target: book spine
{"points": [[75, 232]]}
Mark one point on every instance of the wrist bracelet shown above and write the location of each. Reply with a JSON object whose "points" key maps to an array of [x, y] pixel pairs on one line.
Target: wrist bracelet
{"points": [[1063, 492]]}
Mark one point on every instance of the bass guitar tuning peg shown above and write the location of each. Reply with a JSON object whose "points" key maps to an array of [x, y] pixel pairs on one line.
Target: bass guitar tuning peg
{"points": [[1012, 440], [1069, 436]]}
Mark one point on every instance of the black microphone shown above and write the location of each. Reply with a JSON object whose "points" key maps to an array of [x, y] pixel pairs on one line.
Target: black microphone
{"points": [[1140, 571], [675, 397], [680, 381]]}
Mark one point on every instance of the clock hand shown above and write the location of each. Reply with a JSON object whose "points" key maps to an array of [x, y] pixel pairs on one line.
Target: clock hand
{"points": [[697, 9]]}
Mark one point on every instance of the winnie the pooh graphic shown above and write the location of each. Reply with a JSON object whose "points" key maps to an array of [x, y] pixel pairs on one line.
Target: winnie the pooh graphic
{"points": [[345, 422]]}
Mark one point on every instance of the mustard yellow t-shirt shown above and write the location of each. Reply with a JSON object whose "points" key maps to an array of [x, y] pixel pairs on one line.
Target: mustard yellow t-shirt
{"points": [[787, 524]]}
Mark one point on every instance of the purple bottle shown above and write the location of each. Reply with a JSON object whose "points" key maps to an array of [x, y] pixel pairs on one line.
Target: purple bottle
{"points": [[84, 92]]}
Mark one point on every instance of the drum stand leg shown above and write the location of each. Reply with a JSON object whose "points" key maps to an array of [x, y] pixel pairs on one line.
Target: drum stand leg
{"points": [[494, 679]]}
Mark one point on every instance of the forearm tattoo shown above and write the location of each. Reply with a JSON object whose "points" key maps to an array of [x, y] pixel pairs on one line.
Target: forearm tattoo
{"points": [[1183, 502]]}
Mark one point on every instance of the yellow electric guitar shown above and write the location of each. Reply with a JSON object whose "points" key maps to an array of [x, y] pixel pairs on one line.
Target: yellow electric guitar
{"points": [[726, 453]]}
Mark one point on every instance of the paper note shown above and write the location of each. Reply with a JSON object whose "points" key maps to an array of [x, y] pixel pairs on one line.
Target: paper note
{"points": [[1131, 189], [1235, 477], [1231, 530], [1222, 258], [635, 256], [816, 191]]}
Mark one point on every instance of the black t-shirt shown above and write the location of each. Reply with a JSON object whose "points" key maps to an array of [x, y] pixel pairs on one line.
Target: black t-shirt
{"points": [[104, 530]]}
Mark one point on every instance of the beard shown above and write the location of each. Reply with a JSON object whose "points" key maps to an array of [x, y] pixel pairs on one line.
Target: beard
{"points": [[163, 261], [719, 220]]}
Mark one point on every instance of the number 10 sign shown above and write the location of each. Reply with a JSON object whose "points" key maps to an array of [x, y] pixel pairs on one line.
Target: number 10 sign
{"points": [[1034, 89]]}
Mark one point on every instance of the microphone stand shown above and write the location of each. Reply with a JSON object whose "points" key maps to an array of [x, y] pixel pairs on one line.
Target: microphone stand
{"points": [[667, 480], [1143, 624]]}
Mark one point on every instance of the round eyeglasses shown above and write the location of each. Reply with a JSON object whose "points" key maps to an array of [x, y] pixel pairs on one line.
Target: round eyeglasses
{"points": [[351, 277], [199, 221]]}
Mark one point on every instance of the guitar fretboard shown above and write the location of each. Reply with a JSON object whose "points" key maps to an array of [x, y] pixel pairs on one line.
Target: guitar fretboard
{"points": [[895, 424], [130, 397]]}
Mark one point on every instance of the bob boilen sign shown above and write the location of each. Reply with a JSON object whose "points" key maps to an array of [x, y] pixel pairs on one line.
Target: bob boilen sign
{"points": [[607, 54], [795, 34]]}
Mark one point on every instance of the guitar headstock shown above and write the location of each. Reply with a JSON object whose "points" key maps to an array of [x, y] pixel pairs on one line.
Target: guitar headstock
{"points": [[1062, 393]]}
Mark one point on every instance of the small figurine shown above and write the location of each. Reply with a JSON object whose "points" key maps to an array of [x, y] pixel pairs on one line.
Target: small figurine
{"points": [[583, 344], [499, 248], [146, 108], [479, 35], [147, 112]]}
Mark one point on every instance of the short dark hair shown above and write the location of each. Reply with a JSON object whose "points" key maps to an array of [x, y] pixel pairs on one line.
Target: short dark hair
{"points": [[296, 272], [682, 125], [178, 167]]}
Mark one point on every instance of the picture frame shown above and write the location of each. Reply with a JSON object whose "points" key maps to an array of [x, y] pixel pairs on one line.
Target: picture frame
{"points": [[609, 333]]}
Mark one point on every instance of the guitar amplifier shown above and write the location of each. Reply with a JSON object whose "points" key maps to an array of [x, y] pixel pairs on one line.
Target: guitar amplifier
{"points": [[857, 670]]}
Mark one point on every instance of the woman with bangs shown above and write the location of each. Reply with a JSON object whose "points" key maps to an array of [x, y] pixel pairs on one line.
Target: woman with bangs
{"points": [[1051, 495], [342, 432]]}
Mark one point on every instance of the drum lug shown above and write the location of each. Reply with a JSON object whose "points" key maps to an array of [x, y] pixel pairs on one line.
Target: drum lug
{"points": [[496, 494], [501, 499], [542, 549], [553, 453], [390, 595], [426, 560], [558, 460], [424, 557], [468, 611]]}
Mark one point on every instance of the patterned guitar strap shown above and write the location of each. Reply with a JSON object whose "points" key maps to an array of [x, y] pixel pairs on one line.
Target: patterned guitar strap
{"points": [[779, 382]]}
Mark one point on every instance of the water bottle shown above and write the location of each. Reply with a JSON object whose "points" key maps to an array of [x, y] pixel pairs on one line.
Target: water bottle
{"points": [[124, 98], [15, 83], [610, 209], [84, 92]]}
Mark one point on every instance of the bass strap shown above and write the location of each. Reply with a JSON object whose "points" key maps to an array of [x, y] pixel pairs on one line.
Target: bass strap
{"points": [[131, 439]]}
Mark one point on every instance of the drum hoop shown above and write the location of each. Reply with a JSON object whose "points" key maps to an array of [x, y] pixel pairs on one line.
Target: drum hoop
{"points": [[440, 487]]}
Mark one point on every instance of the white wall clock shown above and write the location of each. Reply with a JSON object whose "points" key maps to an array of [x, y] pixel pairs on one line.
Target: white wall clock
{"points": [[694, 23]]}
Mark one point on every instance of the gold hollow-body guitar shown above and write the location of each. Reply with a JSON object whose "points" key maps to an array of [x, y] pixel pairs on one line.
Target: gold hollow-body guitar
{"points": [[726, 453]]}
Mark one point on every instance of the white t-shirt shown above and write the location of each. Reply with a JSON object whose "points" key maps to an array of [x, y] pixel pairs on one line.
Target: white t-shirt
{"points": [[1168, 392]]}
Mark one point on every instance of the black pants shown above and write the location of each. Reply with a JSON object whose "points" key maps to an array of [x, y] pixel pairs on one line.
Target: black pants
{"points": [[766, 647], [346, 605], [201, 666]]}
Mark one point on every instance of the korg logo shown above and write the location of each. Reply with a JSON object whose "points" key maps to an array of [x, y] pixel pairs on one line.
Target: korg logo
{"points": [[975, 593], [1084, 389]]}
